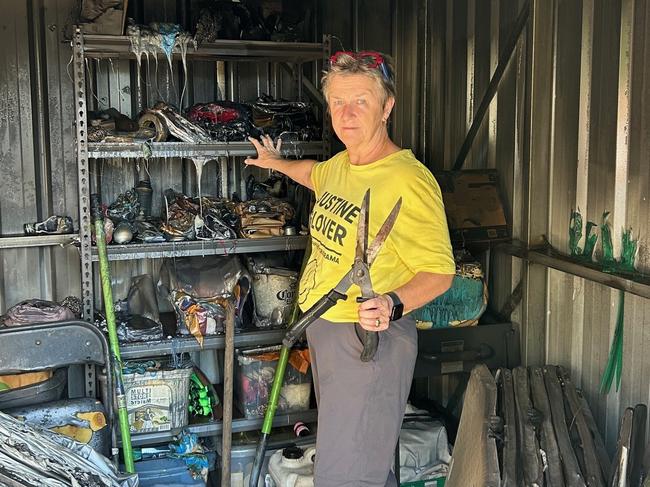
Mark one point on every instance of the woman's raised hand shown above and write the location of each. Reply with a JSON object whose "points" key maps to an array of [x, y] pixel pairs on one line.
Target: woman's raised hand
{"points": [[267, 153]]}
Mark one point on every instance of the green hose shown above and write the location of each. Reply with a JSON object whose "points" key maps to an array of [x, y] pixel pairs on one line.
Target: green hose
{"points": [[107, 292]]}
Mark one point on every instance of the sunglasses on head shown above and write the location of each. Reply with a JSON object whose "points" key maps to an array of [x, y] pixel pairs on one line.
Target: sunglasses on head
{"points": [[371, 59]]}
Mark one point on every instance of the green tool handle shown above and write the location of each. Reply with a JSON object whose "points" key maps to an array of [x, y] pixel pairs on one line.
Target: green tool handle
{"points": [[256, 470], [114, 343], [123, 418], [275, 390], [269, 415], [107, 291]]}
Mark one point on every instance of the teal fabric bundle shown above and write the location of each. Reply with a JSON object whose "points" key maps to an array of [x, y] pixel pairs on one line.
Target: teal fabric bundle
{"points": [[462, 304]]}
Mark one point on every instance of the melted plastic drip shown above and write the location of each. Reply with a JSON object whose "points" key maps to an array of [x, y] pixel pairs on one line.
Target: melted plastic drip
{"points": [[165, 38], [183, 41], [198, 165]]}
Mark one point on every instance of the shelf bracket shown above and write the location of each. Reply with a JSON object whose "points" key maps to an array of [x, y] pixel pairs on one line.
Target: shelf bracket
{"points": [[545, 256]]}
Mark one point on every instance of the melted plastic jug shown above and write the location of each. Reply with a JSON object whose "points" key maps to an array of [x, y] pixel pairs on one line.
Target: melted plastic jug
{"points": [[293, 467]]}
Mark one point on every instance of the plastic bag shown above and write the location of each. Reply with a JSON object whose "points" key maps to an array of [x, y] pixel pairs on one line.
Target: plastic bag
{"points": [[204, 277], [33, 311]]}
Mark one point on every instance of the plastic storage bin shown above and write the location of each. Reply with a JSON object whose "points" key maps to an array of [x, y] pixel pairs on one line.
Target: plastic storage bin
{"points": [[157, 400], [254, 380], [168, 472], [439, 482]]}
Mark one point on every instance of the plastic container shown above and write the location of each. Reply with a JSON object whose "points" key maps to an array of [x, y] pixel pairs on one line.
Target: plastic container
{"points": [[439, 482], [242, 457], [167, 472], [293, 467], [157, 400], [82, 419], [254, 380], [274, 291], [38, 393]]}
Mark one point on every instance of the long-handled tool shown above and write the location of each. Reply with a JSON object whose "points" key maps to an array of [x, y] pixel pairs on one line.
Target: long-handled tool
{"points": [[359, 274], [113, 341]]}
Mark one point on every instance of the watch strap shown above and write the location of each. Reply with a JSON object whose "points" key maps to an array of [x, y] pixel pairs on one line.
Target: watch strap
{"points": [[398, 307]]}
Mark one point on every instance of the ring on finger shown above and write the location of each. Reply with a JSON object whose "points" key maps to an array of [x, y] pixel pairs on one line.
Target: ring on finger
{"points": [[377, 322]]}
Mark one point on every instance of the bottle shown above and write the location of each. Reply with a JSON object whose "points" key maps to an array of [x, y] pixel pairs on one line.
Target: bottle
{"points": [[54, 225], [145, 192], [301, 429]]}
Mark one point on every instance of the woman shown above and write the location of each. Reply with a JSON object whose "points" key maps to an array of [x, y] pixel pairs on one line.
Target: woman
{"points": [[361, 405]]}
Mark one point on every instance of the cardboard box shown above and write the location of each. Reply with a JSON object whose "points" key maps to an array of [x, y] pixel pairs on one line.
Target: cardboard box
{"points": [[473, 205]]}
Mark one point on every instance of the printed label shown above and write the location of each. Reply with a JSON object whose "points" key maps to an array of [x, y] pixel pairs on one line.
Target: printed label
{"points": [[451, 367], [286, 295], [149, 408]]}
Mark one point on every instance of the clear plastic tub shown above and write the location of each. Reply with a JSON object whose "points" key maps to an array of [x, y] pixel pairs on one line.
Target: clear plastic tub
{"points": [[254, 380]]}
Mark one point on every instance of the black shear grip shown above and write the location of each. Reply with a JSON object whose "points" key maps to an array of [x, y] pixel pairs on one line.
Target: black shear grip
{"points": [[369, 339]]}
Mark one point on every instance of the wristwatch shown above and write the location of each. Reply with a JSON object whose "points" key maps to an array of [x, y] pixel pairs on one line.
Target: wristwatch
{"points": [[398, 307]]}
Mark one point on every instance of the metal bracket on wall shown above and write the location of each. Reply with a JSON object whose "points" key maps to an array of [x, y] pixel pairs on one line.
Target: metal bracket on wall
{"points": [[491, 90], [512, 302], [548, 257], [302, 82]]}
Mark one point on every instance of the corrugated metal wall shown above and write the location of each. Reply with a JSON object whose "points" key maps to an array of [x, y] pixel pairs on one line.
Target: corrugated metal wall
{"points": [[39, 172], [568, 129], [591, 128]]}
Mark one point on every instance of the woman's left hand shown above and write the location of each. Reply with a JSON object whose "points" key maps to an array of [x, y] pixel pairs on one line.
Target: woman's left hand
{"points": [[374, 314]]}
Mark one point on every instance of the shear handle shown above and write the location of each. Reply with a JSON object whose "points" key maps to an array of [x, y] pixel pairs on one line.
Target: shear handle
{"points": [[311, 315]]}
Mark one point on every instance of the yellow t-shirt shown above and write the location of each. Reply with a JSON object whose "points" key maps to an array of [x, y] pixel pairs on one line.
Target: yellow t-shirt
{"points": [[419, 241]]}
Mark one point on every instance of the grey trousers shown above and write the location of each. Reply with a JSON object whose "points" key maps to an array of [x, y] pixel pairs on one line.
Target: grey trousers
{"points": [[360, 405]]}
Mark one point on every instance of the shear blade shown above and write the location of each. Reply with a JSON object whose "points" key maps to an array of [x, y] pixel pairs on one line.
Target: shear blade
{"points": [[362, 228], [382, 234]]}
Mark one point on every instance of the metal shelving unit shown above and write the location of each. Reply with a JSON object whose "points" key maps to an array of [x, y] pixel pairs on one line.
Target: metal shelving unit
{"points": [[289, 56], [215, 427], [202, 248], [16, 242], [136, 350], [104, 46], [101, 150]]}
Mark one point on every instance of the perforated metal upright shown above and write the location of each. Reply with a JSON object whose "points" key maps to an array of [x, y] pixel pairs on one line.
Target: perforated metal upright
{"points": [[83, 174]]}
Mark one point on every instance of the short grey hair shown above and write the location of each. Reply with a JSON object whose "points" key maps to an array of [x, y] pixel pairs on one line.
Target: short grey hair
{"points": [[346, 64]]}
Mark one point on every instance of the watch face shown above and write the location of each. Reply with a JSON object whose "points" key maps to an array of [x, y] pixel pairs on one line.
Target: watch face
{"points": [[396, 312]]}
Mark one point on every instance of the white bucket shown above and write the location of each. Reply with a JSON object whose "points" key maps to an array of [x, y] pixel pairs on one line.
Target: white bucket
{"points": [[292, 472]]}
